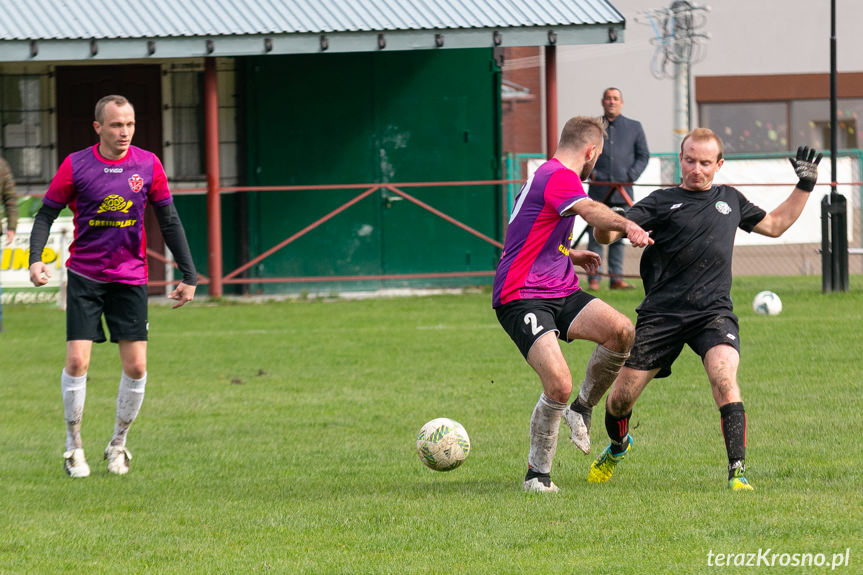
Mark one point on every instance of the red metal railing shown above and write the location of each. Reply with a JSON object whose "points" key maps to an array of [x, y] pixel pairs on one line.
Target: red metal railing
{"points": [[366, 190]]}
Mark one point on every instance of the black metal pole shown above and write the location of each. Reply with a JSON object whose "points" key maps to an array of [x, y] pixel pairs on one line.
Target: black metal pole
{"points": [[827, 259], [841, 243], [834, 136], [838, 264], [826, 256]]}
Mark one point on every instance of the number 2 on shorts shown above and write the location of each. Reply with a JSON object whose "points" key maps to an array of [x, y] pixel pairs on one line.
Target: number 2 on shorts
{"points": [[530, 318]]}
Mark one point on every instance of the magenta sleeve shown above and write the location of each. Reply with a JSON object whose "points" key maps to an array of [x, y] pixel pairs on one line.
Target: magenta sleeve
{"points": [[61, 191], [564, 189], [160, 194]]}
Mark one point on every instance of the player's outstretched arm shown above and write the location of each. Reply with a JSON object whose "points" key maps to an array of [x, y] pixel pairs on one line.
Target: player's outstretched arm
{"points": [[609, 226], [780, 219]]}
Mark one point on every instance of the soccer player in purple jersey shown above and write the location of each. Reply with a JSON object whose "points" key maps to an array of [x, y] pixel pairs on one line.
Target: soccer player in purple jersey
{"points": [[107, 187], [537, 297], [687, 284]]}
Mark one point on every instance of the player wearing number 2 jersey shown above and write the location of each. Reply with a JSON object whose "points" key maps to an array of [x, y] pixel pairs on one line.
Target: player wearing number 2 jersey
{"points": [[537, 298], [107, 188], [535, 262]]}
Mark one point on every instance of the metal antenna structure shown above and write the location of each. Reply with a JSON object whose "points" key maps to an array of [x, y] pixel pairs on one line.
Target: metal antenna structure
{"points": [[679, 42]]}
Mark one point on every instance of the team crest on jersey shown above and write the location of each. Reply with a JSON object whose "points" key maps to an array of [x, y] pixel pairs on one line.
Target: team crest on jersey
{"points": [[136, 183], [722, 208]]}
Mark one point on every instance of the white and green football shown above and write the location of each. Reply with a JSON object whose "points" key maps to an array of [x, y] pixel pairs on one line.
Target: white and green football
{"points": [[443, 444], [767, 303]]}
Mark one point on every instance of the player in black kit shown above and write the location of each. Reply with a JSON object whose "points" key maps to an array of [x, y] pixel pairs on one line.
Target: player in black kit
{"points": [[687, 280]]}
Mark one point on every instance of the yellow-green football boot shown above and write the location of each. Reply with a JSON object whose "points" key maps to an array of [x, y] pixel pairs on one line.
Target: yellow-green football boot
{"points": [[603, 467], [737, 481]]}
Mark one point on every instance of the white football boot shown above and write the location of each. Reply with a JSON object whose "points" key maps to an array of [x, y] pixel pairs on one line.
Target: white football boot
{"points": [[75, 464], [540, 485], [118, 459], [579, 426]]}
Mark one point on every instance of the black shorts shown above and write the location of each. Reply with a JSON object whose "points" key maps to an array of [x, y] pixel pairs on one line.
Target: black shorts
{"points": [[525, 320], [659, 338], [124, 307]]}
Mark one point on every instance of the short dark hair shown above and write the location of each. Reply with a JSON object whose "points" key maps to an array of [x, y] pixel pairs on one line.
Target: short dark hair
{"points": [[580, 131], [100, 105], [609, 89]]}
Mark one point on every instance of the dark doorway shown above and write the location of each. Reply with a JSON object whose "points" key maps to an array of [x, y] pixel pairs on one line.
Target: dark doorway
{"points": [[78, 90]]}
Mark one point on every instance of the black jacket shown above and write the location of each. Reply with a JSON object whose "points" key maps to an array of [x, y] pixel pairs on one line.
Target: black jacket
{"points": [[624, 156]]}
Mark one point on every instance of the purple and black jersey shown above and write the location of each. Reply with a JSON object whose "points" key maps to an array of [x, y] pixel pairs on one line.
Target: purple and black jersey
{"points": [[535, 261], [108, 199]]}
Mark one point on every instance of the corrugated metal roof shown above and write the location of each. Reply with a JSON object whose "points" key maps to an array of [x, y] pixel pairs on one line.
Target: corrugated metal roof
{"points": [[43, 21], [62, 19]]}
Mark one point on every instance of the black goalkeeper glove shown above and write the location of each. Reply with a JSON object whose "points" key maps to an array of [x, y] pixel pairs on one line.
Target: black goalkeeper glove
{"points": [[806, 167]]}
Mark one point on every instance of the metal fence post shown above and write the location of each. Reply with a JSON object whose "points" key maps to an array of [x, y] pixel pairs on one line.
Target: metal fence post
{"points": [[826, 259], [839, 209]]}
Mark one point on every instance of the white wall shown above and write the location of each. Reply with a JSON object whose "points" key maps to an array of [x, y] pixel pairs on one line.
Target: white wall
{"points": [[746, 37]]}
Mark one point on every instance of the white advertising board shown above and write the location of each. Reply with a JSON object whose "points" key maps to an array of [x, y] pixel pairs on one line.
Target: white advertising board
{"points": [[15, 262]]}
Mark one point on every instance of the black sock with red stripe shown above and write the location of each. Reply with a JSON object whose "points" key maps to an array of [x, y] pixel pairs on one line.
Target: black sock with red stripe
{"points": [[618, 431], [733, 420]]}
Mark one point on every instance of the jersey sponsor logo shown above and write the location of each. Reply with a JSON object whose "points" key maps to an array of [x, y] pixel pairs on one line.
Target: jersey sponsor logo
{"points": [[113, 170], [112, 223], [562, 248], [722, 208], [136, 183], [115, 203]]}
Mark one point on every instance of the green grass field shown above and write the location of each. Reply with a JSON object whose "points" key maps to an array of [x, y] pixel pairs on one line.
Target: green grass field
{"points": [[279, 438]]}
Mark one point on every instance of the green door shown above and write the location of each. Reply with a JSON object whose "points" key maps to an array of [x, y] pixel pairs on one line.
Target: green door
{"points": [[364, 119]]}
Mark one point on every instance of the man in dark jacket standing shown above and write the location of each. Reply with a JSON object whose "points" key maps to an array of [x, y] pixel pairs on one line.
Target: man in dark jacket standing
{"points": [[623, 159], [9, 205]]}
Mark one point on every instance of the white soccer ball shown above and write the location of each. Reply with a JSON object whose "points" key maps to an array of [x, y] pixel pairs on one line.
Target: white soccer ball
{"points": [[443, 444], [767, 303]]}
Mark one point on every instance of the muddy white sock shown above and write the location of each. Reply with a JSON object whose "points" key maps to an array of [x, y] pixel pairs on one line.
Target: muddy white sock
{"points": [[74, 391], [544, 424], [602, 369], [130, 396]]}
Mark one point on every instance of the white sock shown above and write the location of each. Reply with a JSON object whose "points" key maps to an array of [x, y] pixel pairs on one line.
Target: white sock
{"points": [[74, 391], [544, 424], [130, 396], [602, 369]]}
